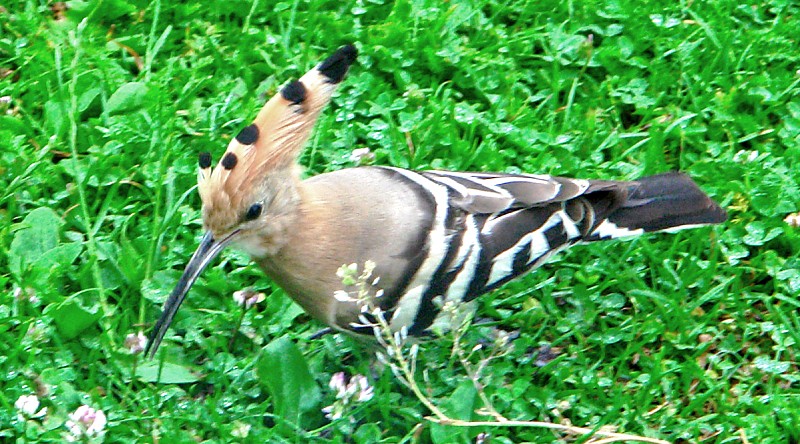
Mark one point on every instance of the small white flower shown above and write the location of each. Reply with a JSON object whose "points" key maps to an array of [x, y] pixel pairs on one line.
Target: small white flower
{"points": [[86, 421], [135, 342], [330, 413], [247, 298], [28, 294], [793, 220], [338, 383], [361, 155], [27, 406], [342, 296], [240, 429], [745, 156], [347, 392], [347, 270], [365, 391]]}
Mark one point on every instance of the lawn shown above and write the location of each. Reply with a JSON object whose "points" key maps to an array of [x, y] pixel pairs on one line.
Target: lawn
{"points": [[691, 337]]}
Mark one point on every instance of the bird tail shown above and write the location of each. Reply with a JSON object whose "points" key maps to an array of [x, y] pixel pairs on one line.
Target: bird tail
{"points": [[664, 202]]}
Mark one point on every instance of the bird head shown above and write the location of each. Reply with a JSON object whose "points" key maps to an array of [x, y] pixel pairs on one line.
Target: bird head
{"points": [[250, 194]]}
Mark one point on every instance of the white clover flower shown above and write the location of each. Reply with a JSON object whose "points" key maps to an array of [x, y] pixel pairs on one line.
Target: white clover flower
{"points": [[86, 421], [361, 155], [347, 393], [331, 412], [240, 429], [365, 391], [247, 298], [793, 220], [135, 343], [27, 293], [338, 384], [28, 405]]}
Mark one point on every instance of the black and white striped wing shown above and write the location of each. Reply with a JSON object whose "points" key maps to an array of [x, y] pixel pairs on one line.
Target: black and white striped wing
{"points": [[487, 229], [530, 217]]}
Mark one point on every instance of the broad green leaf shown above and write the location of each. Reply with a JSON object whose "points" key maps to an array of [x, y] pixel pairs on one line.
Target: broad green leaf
{"points": [[128, 97], [14, 125], [157, 288], [54, 116], [367, 433], [71, 318], [283, 370], [166, 373], [38, 236], [758, 233], [767, 365], [54, 376], [460, 405], [63, 254], [87, 97]]}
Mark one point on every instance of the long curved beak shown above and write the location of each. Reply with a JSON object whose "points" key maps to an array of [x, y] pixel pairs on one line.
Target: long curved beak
{"points": [[208, 249]]}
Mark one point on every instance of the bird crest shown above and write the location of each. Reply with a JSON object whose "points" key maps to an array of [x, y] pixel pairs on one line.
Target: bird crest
{"points": [[268, 146]]}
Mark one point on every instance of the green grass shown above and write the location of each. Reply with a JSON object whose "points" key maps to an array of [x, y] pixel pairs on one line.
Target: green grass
{"points": [[687, 338]]}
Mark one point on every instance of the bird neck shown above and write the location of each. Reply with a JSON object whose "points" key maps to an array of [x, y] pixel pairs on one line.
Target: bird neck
{"points": [[305, 266]]}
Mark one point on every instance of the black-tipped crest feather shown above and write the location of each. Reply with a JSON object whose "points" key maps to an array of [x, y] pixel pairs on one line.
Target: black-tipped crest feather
{"points": [[204, 160], [294, 92], [229, 161], [335, 67], [248, 135]]}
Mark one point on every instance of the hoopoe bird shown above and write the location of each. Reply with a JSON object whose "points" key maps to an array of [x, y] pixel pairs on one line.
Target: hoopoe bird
{"points": [[432, 235]]}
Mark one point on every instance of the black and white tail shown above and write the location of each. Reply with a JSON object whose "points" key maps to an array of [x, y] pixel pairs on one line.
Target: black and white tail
{"points": [[665, 202]]}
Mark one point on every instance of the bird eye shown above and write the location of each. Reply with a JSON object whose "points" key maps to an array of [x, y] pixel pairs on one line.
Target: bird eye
{"points": [[253, 212]]}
